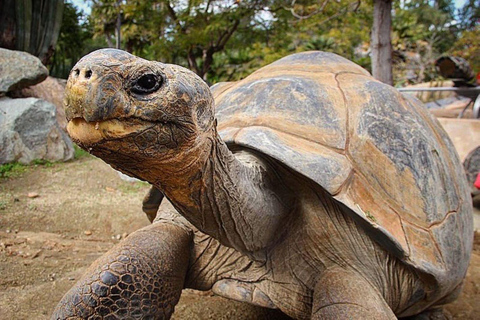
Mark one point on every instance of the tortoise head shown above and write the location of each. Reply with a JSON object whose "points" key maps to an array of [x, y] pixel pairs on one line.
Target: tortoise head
{"points": [[118, 103]]}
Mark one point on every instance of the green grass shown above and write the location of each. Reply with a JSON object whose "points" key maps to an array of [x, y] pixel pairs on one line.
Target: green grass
{"points": [[79, 152], [132, 187], [10, 170], [15, 169], [40, 162]]}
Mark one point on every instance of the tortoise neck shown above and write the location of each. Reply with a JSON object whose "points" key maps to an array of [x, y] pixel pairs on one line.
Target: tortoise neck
{"points": [[234, 197]]}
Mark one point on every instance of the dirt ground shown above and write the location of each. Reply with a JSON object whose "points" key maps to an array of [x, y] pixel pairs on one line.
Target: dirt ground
{"points": [[56, 220]]}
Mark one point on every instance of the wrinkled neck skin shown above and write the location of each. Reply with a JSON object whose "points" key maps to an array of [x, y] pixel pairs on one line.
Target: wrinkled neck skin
{"points": [[238, 198]]}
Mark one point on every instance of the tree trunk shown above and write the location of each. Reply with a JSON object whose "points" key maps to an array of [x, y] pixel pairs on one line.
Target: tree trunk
{"points": [[7, 24], [207, 62], [118, 25], [381, 43], [192, 63], [31, 26]]}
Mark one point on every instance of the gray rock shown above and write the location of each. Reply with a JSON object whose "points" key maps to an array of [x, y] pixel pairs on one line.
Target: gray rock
{"points": [[124, 177], [51, 90], [29, 131], [19, 70]]}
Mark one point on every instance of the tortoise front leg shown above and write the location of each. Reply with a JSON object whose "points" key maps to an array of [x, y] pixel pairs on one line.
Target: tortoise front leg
{"points": [[142, 277]]}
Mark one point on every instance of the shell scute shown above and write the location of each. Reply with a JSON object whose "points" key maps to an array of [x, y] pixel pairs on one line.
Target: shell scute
{"points": [[298, 104], [398, 153]]}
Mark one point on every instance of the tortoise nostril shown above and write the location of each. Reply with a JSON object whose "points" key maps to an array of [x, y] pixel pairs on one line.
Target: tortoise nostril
{"points": [[88, 74], [76, 72]]}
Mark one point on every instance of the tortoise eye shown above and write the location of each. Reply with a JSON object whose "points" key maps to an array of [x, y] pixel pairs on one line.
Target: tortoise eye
{"points": [[147, 83]]}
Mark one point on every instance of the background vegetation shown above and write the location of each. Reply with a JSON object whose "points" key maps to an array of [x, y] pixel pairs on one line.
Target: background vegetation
{"points": [[225, 40]]}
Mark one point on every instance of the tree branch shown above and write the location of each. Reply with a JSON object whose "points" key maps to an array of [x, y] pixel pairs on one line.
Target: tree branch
{"points": [[208, 6], [192, 62], [222, 41], [353, 6], [300, 17], [172, 12]]}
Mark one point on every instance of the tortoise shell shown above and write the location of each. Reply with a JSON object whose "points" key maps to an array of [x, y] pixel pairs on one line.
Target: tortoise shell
{"points": [[376, 151]]}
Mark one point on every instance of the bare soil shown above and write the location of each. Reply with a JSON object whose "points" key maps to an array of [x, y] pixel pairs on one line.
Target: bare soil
{"points": [[56, 220]]}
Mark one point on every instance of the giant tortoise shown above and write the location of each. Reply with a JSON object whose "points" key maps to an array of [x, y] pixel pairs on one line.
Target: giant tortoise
{"points": [[308, 186]]}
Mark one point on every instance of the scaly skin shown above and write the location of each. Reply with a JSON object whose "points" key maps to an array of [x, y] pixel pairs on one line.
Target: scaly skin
{"points": [[143, 276], [253, 232]]}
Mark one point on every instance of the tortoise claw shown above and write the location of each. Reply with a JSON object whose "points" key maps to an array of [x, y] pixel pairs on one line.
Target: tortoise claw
{"points": [[151, 203], [243, 292]]}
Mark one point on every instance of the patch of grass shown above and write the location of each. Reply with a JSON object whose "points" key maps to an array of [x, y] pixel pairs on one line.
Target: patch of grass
{"points": [[14, 169], [79, 152], [132, 187], [40, 162], [3, 205]]}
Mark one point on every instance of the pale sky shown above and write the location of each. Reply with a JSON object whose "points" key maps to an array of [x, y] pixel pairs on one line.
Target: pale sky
{"points": [[459, 3], [85, 5]]}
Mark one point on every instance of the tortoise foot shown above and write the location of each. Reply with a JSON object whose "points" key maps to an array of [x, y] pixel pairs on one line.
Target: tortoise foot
{"points": [[140, 278]]}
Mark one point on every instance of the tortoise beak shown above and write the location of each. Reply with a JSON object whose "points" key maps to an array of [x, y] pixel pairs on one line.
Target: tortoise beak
{"points": [[94, 101], [94, 87], [91, 133], [91, 93]]}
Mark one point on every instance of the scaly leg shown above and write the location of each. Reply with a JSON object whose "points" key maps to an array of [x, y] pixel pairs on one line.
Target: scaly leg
{"points": [[141, 277], [342, 294]]}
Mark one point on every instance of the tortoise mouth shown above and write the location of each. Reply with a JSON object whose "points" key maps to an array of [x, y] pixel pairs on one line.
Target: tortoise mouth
{"points": [[91, 133]]}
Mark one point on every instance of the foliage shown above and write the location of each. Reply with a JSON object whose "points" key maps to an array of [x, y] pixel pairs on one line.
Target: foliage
{"points": [[182, 32], [342, 33], [468, 44], [339, 27], [225, 40], [423, 30], [468, 48], [470, 15]]}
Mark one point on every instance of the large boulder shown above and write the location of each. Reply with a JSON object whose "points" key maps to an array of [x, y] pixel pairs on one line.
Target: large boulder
{"points": [[464, 134], [472, 166], [29, 131], [51, 90], [19, 69]]}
